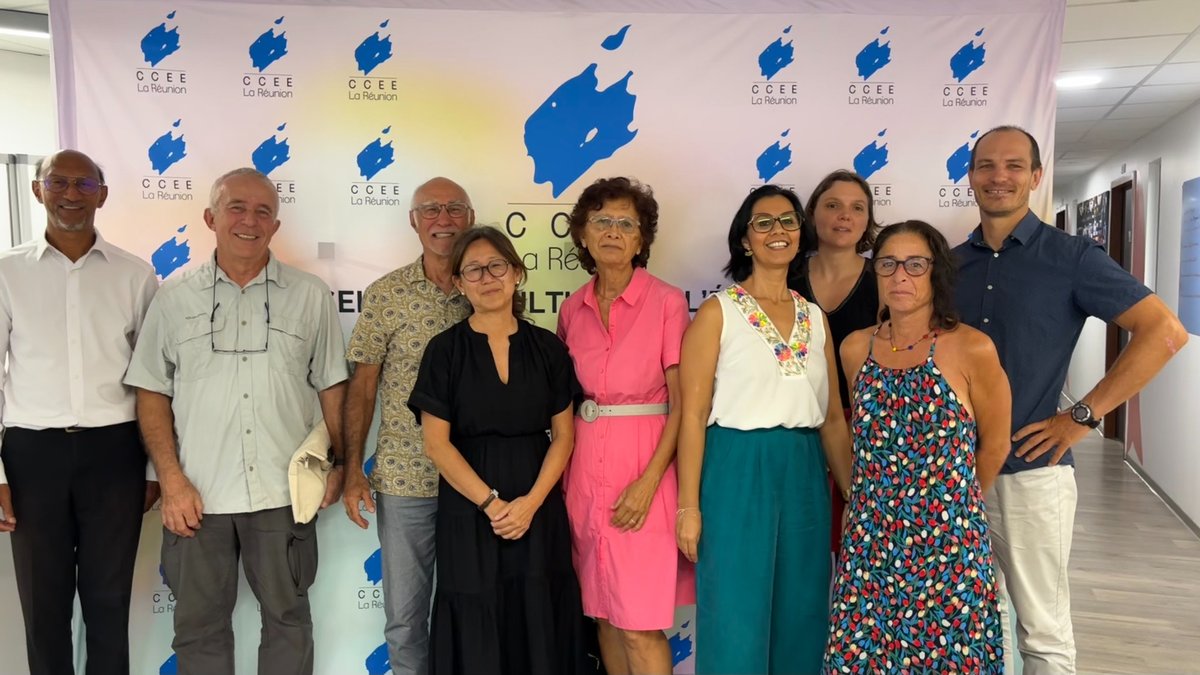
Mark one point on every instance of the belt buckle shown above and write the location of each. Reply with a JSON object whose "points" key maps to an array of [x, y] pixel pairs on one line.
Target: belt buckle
{"points": [[589, 410]]}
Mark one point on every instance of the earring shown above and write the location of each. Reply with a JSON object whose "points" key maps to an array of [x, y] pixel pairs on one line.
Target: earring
{"points": [[749, 253]]}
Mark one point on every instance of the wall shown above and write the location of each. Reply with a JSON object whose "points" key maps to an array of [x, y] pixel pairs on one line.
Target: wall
{"points": [[28, 115], [1169, 425], [28, 125]]}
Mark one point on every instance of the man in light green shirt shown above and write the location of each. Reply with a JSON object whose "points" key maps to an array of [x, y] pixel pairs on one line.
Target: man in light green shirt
{"points": [[234, 360]]}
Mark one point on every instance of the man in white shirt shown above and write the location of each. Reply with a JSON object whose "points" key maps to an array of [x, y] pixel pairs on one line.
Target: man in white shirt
{"points": [[232, 362], [73, 483]]}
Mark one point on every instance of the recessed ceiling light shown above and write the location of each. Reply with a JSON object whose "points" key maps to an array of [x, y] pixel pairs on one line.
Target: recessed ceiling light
{"points": [[1077, 81]]}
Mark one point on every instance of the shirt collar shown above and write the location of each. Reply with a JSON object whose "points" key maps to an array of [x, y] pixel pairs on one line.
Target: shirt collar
{"points": [[1022, 234], [210, 272], [630, 296], [414, 274], [99, 246]]}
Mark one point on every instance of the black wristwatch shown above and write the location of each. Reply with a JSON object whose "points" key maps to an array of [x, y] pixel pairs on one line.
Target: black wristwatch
{"points": [[1081, 413]]}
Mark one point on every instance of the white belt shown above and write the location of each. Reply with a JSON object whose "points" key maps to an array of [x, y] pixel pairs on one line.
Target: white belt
{"points": [[589, 410]]}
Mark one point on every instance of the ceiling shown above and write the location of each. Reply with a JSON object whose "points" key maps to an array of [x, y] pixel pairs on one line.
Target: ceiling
{"points": [[1146, 51]]}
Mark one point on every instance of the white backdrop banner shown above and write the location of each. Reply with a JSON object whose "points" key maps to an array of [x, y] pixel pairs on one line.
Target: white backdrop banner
{"points": [[347, 109]]}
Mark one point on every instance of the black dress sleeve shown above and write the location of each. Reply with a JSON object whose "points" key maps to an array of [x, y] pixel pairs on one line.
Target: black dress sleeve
{"points": [[563, 386], [433, 391]]}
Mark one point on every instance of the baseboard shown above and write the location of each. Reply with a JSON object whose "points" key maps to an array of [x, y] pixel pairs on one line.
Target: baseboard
{"points": [[1161, 494]]}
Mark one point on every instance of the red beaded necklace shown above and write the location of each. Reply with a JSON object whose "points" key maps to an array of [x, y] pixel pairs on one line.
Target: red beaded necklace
{"points": [[891, 339]]}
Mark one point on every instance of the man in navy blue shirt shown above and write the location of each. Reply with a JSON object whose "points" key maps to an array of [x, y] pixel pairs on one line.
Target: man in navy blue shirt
{"points": [[1031, 287]]}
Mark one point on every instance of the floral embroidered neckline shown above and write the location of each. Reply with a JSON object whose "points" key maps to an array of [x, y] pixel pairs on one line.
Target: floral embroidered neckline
{"points": [[791, 355]]}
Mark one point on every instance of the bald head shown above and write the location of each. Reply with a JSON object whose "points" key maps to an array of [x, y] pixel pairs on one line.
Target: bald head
{"points": [[441, 210], [439, 189], [46, 163]]}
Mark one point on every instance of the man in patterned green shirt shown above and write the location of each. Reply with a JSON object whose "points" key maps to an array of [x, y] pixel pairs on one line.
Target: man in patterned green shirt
{"points": [[400, 313]]}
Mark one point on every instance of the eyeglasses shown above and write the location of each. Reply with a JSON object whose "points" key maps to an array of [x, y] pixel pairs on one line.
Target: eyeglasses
{"points": [[431, 210], [605, 223], [764, 223], [496, 268], [87, 186], [212, 319], [915, 266]]}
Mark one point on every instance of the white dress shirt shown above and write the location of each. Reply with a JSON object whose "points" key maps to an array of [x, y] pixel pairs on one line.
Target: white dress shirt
{"points": [[68, 331]]}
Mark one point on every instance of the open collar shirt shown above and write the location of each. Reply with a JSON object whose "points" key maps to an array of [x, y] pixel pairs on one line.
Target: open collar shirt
{"points": [[68, 330], [240, 412]]}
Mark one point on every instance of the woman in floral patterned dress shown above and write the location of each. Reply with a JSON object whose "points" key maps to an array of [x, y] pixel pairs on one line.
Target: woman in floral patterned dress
{"points": [[915, 590], [757, 374]]}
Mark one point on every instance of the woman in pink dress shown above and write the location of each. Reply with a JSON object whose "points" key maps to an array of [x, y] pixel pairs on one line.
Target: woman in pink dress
{"points": [[624, 328]]}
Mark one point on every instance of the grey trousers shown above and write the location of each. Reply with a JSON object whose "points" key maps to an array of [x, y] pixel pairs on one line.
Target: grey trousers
{"points": [[280, 560], [407, 526]]}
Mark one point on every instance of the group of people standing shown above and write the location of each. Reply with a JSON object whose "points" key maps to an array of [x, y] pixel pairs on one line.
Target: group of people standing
{"points": [[636, 461]]}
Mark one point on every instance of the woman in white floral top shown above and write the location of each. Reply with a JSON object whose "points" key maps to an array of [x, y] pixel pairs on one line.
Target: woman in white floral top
{"points": [[758, 373]]}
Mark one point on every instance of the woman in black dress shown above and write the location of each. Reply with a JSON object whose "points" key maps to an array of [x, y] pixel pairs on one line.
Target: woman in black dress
{"points": [[489, 388], [840, 226]]}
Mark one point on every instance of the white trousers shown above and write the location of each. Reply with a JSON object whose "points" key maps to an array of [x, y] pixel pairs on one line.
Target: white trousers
{"points": [[1032, 516]]}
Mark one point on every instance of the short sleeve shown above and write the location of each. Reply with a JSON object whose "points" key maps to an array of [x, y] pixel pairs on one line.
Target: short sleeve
{"points": [[373, 330], [433, 390], [675, 323], [152, 366], [563, 386], [328, 365], [1102, 288]]}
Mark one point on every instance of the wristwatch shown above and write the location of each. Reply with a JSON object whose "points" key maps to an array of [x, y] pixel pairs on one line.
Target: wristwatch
{"points": [[1081, 413], [492, 496]]}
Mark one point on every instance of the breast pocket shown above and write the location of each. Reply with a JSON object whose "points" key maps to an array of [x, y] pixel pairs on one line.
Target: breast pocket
{"points": [[194, 348], [291, 347]]}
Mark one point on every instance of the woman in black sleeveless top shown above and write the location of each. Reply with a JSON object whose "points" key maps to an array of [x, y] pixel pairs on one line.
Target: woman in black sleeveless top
{"points": [[840, 227]]}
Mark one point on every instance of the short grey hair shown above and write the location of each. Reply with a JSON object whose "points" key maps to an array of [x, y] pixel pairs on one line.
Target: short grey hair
{"points": [[215, 193]]}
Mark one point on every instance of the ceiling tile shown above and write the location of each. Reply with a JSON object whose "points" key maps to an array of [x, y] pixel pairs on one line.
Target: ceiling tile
{"points": [[1190, 51], [1157, 93], [1083, 114], [1078, 98], [1177, 73], [12, 43], [1129, 111], [1071, 131], [1130, 19], [1122, 130], [1141, 51], [1116, 77]]}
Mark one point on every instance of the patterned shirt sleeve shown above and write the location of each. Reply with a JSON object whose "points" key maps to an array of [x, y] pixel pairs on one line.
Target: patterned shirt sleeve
{"points": [[375, 325]]}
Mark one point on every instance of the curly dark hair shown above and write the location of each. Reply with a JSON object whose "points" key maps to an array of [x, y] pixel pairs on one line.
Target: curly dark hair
{"points": [[740, 265], [611, 189], [943, 270], [842, 176], [506, 250]]}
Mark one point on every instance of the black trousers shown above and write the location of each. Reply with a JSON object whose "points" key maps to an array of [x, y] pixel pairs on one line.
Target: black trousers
{"points": [[78, 498]]}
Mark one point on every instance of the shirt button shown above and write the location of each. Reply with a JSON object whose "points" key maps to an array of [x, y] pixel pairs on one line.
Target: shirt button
{"points": [[989, 287], [996, 254], [245, 395], [248, 431], [243, 291], [243, 323], [985, 321], [251, 467], [245, 357]]}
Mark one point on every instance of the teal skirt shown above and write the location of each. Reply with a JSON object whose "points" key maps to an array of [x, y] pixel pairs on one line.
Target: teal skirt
{"points": [[762, 579]]}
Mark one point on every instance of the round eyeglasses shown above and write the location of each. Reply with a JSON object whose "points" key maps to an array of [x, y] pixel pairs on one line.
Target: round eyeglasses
{"points": [[914, 266], [496, 268]]}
